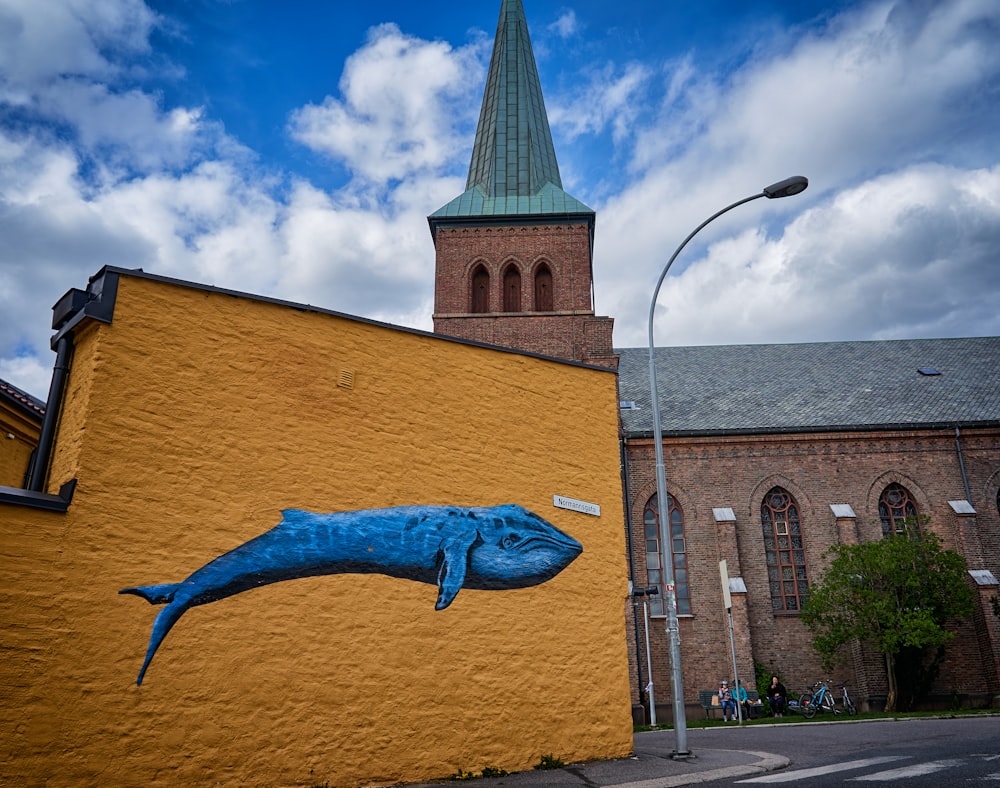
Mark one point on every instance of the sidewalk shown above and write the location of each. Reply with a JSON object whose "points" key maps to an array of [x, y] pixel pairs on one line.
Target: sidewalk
{"points": [[650, 767]]}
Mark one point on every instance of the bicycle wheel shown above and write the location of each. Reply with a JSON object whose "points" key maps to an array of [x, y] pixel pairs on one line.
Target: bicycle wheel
{"points": [[806, 706], [849, 705], [828, 703]]}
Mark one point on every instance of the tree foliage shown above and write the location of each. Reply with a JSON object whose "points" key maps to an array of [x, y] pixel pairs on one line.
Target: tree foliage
{"points": [[895, 594]]}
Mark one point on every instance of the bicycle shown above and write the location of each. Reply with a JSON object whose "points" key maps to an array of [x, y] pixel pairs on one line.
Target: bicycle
{"points": [[818, 698], [848, 704]]}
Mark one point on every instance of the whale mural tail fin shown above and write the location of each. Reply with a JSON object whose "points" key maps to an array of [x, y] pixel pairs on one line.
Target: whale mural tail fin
{"points": [[163, 624], [155, 595]]}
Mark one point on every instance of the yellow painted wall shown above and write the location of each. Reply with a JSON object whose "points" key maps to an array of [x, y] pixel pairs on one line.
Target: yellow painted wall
{"points": [[18, 438], [190, 422]]}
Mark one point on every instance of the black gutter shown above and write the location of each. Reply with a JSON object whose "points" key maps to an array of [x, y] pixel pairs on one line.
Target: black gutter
{"points": [[38, 500], [60, 372], [627, 498], [750, 431]]}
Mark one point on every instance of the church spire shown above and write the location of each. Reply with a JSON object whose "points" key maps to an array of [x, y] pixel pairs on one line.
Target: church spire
{"points": [[513, 171], [513, 153]]}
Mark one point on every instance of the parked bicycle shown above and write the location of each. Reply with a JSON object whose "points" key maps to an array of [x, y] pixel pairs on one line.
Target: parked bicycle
{"points": [[817, 698], [821, 698], [845, 699]]}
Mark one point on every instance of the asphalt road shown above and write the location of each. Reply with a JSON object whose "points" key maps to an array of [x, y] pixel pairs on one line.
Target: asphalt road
{"points": [[913, 752]]}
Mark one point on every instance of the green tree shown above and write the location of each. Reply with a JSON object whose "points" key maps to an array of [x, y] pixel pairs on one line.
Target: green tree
{"points": [[896, 594]]}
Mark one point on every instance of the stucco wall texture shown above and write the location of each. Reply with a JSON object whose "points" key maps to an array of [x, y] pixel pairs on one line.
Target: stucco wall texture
{"points": [[190, 423]]}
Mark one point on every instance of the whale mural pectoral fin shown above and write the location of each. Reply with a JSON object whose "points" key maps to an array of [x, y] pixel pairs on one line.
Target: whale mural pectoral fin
{"points": [[454, 563]]}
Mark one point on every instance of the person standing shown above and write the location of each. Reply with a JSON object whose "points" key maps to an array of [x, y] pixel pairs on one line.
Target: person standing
{"points": [[777, 696]]}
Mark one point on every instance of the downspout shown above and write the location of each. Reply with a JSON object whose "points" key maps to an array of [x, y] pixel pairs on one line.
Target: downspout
{"points": [[961, 465], [60, 372], [627, 496]]}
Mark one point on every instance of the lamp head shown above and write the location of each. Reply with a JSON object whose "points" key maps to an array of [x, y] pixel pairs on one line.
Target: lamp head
{"points": [[787, 187]]}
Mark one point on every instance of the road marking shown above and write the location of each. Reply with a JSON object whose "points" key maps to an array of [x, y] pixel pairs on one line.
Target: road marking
{"points": [[804, 774], [905, 772]]}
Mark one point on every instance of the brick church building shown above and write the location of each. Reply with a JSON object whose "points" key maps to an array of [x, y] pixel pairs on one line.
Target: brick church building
{"points": [[774, 453]]}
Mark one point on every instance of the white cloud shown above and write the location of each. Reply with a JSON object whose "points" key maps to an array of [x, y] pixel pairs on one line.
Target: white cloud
{"points": [[910, 254], [31, 374], [610, 97], [407, 104], [135, 184], [888, 110], [566, 26], [881, 88], [42, 41]]}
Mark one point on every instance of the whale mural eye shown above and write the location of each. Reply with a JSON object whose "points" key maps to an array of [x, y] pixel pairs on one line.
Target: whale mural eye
{"points": [[510, 540]]}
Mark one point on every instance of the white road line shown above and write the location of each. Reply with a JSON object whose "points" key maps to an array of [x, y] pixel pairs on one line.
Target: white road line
{"points": [[804, 774], [904, 772]]}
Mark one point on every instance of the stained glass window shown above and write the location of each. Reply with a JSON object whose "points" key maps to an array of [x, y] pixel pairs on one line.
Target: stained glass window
{"points": [[654, 560], [784, 547]]}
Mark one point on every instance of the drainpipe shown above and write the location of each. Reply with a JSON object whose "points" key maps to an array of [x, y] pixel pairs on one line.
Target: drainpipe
{"points": [[626, 495], [40, 466], [961, 465]]}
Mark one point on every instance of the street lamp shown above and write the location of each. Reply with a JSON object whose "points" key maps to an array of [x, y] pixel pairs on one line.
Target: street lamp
{"points": [[785, 188]]}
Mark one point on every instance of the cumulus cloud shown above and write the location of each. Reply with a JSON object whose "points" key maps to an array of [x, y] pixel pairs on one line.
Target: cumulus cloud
{"points": [[406, 106], [95, 171], [42, 42], [878, 89], [890, 108], [566, 26], [909, 254]]}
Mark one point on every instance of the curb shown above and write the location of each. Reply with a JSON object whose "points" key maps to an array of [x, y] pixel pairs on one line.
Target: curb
{"points": [[767, 763]]}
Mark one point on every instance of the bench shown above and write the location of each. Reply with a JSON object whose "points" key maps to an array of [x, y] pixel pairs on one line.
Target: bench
{"points": [[709, 700]]}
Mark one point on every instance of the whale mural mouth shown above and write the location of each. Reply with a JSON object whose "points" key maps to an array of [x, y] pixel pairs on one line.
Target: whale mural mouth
{"points": [[547, 542]]}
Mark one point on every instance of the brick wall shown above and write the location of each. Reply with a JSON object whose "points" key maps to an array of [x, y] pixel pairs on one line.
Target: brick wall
{"points": [[564, 248], [819, 470]]}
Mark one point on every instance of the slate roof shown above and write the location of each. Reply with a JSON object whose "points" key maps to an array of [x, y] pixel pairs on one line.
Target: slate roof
{"points": [[513, 171], [31, 406], [748, 389]]}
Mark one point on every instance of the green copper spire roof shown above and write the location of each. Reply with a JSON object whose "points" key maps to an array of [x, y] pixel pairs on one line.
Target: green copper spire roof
{"points": [[513, 169]]}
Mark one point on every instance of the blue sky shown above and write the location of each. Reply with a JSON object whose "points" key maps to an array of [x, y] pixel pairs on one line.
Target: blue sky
{"points": [[295, 149]]}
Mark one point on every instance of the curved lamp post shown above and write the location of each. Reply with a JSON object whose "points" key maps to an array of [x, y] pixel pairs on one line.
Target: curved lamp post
{"points": [[785, 188]]}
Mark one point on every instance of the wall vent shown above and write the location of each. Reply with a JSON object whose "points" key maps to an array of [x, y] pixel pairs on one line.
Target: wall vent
{"points": [[346, 379]]}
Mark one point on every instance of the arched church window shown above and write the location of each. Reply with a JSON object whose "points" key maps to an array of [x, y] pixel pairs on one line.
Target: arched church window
{"points": [[511, 289], [480, 290], [896, 510], [543, 289], [787, 572], [655, 558]]}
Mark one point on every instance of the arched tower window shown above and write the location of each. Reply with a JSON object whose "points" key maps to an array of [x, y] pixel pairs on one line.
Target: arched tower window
{"points": [[511, 289], [480, 290], [654, 560], [895, 505], [786, 555], [543, 289]]}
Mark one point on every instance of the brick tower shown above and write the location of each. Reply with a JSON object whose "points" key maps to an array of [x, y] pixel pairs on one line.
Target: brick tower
{"points": [[514, 252]]}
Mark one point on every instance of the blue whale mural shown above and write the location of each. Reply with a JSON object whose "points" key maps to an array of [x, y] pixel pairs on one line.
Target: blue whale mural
{"points": [[490, 548]]}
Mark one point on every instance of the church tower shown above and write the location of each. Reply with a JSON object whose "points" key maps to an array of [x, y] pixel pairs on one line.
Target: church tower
{"points": [[514, 252]]}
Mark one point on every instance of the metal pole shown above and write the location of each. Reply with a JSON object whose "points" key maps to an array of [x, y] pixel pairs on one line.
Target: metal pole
{"points": [[667, 552], [784, 188], [736, 675], [649, 666]]}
